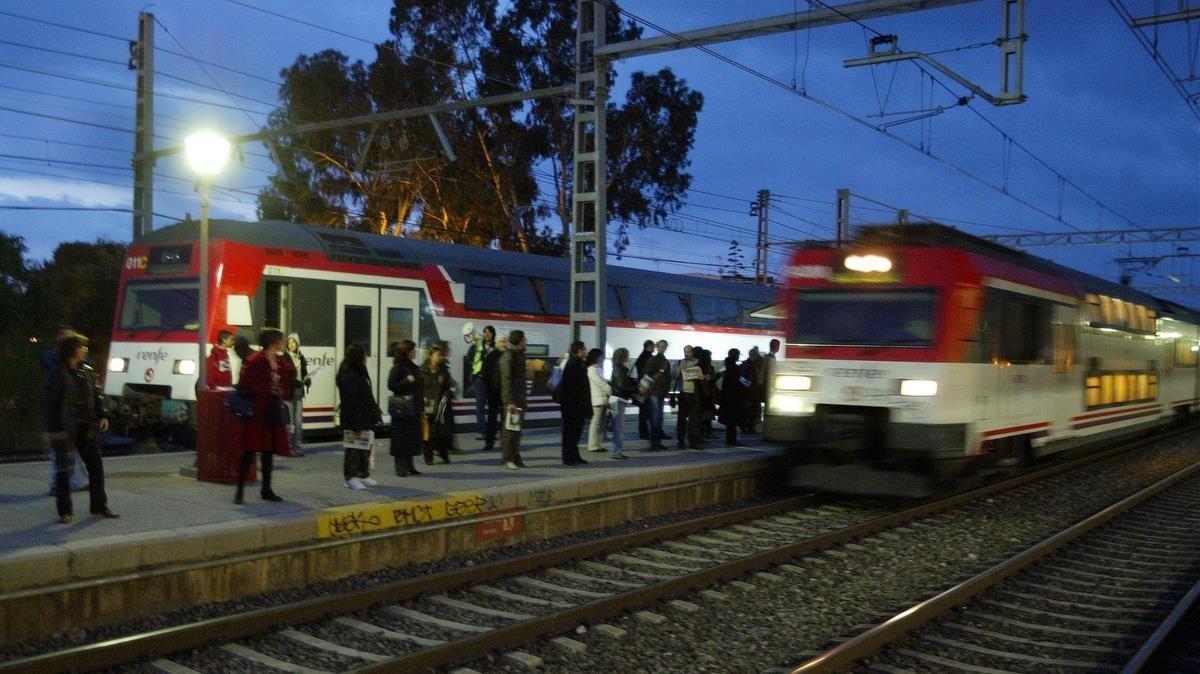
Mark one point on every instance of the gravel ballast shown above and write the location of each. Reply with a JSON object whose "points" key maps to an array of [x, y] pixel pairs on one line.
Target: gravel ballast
{"points": [[769, 624]]}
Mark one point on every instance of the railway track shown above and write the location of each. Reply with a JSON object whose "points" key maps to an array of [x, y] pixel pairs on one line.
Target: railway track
{"points": [[1099, 596], [462, 615]]}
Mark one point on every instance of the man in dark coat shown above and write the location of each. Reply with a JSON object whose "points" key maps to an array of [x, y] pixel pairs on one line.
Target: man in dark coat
{"points": [[574, 395], [513, 396], [639, 366], [658, 368]]}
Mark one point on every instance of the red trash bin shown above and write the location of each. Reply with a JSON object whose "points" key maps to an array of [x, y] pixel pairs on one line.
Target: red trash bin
{"points": [[218, 451]]}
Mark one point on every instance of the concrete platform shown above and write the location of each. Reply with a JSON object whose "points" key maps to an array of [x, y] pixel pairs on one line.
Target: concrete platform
{"points": [[167, 519]]}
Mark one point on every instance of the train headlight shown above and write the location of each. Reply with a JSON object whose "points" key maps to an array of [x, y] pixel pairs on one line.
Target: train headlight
{"points": [[868, 263], [118, 364], [918, 387], [793, 382], [186, 366]]}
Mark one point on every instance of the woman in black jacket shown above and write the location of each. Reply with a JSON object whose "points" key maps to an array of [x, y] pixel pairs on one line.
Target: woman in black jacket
{"points": [[360, 414], [405, 407], [733, 398], [76, 417], [440, 388]]}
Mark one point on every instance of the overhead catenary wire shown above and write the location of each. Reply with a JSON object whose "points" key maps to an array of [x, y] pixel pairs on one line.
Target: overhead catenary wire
{"points": [[66, 26], [62, 52], [114, 85]]}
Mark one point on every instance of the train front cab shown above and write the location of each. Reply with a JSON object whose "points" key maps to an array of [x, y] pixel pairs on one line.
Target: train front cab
{"points": [[897, 357]]}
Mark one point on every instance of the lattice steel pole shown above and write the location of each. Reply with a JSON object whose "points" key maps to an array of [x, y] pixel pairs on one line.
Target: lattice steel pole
{"points": [[589, 216]]}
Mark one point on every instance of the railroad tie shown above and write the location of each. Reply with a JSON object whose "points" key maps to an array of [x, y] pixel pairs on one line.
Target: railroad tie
{"points": [[251, 655], [481, 610], [513, 596], [402, 612], [361, 626], [322, 644]]}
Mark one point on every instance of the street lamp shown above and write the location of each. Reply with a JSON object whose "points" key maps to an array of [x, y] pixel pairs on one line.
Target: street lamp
{"points": [[206, 153]]}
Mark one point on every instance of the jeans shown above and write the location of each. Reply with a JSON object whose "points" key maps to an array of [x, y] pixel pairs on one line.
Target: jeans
{"points": [[655, 405], [296, 426], [64, 468], [618, 427], [481, 404]]}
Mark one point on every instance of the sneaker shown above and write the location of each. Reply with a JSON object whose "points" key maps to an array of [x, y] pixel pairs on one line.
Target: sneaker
{"points": [[355, 483], [511, 466], [598, 449], [620, 457], [369, 482]]}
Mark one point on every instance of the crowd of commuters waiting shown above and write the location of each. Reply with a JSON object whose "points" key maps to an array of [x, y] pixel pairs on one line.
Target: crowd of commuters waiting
{"points": [[274, 378]]}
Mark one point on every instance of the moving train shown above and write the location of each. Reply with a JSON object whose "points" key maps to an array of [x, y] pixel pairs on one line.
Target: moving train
{"points": [[920, 354], [337, 287]]}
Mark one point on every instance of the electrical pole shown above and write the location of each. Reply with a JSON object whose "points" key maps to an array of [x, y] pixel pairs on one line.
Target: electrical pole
{"points": [[589, 216], [141, 59], [843, 217], [761, 208]]}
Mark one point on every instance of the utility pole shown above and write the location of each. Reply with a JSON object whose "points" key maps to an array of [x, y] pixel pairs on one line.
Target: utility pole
{"points": [[843, 217], [761, 208], [141, 59], [589, 197]]}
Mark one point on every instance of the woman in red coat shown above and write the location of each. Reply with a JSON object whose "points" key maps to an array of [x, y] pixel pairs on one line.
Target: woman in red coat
{"points": [[266, 376]]}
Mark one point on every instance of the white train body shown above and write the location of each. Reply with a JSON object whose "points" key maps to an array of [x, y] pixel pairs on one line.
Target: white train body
{"points": [[911, 362], [335, 288]]}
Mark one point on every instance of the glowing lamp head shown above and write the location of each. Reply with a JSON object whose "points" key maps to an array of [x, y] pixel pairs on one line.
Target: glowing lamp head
{"points": [[868, 263], [206, 152]]}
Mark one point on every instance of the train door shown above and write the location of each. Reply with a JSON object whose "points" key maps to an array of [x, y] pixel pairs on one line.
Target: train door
{"points": [[399, 320], [358, 323]]}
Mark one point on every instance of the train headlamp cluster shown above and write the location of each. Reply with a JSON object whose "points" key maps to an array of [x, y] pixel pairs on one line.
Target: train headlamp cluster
{"points": [[793, 382], [186, 366], [116, 364], [918, 388], [868, 263]]}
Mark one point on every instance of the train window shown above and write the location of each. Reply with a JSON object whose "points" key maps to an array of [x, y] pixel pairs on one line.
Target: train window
{"points": [[877, 318], [399, 325], [655, 305], [160, 305], [557, 295], [714, 310], [520, 296], [614, 306], [485, 292], [1186, 352], [356, 327], [1021, 330], [1117, 388], [279, 306]]}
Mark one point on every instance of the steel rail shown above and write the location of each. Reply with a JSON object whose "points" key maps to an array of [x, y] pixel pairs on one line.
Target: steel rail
{"points": [[1145, 655], [873, 640], [516, 634], [223, 629], [228, 628]]}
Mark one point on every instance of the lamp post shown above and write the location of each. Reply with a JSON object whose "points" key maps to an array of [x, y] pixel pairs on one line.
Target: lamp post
{"points": [[206, 153]]}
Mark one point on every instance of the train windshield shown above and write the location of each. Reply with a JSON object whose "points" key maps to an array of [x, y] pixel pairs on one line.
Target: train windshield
{"points": [[160, 305], [864, 318]]}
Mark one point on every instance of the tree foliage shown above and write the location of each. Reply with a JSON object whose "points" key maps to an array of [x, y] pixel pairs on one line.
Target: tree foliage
{"points": [[77, 286], [512, 170]]}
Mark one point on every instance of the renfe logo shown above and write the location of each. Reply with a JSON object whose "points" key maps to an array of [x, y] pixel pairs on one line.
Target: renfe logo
{"points": [[155, 356], [861, 373]]}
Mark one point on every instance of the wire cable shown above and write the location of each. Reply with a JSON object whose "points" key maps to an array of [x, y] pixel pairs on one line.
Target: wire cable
{"points": [[65, 26], [64, 53]]}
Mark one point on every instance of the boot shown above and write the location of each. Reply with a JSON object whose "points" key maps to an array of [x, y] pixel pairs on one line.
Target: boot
{"points": [[402, 466], [412, 470]]}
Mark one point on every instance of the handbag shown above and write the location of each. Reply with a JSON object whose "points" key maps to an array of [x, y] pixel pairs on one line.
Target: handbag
{"points": [[241, 404], [402, 405]]}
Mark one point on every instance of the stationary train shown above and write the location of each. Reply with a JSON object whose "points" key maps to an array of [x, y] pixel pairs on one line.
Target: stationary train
{"points": [[336, 288], [919, 354]]}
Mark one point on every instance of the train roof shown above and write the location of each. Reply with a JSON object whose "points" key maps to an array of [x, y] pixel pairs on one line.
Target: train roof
{"points": [[365, 248], [935, 234]]}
